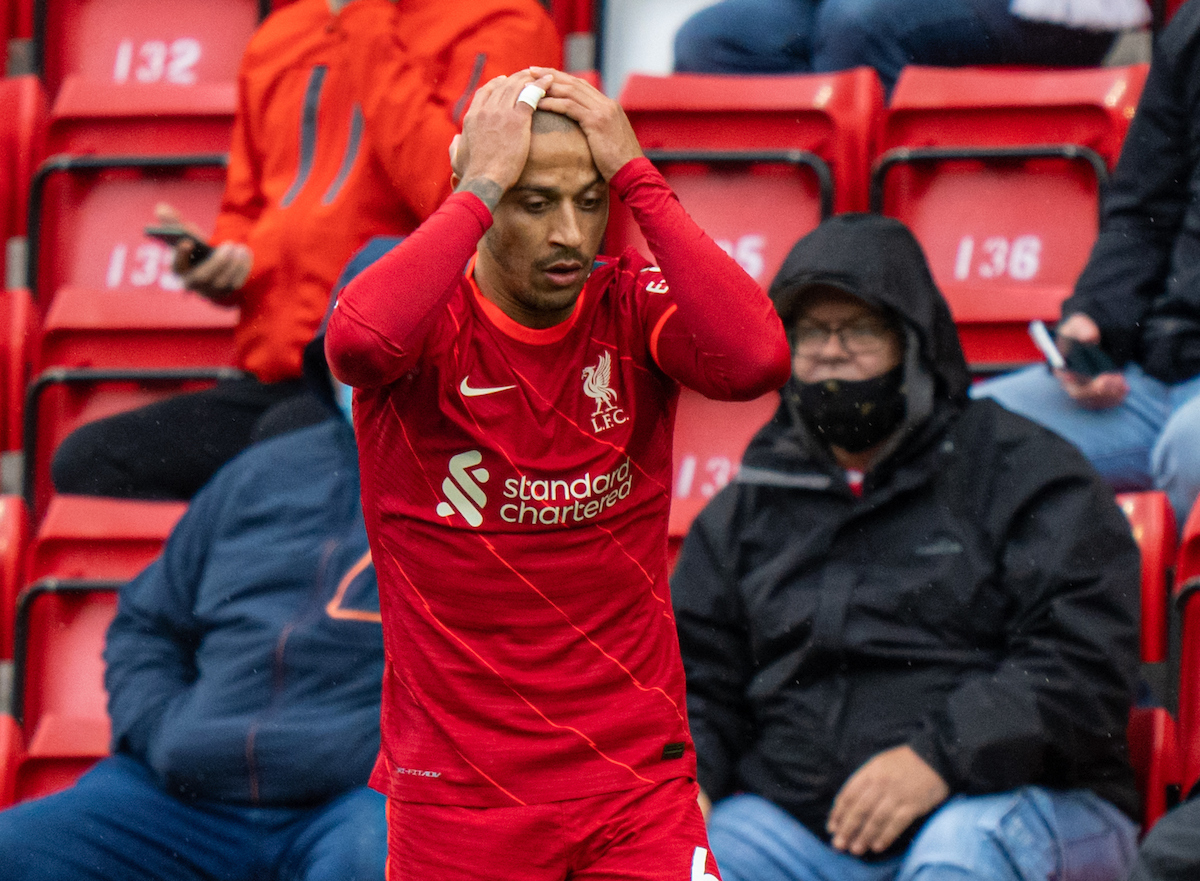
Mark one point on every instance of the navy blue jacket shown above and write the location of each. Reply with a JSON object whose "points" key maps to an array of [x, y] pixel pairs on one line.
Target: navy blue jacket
{"points": [[245, 664]]}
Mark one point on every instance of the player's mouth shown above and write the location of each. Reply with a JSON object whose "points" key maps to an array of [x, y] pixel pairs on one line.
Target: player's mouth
{"points": [[564, 273]]}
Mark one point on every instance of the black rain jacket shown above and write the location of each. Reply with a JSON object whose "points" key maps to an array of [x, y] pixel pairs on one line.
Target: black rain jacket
{"points": [[977, 603], [1141, 284]]}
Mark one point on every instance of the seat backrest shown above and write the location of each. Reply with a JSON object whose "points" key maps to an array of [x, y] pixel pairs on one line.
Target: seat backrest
{"points": [[22, 143], [1187, 599], [999, 172], [181, 43], [87, 216], [59, 400], [14, 542], [59, 698], [1153, 523], [757, 161], [710, 437]]}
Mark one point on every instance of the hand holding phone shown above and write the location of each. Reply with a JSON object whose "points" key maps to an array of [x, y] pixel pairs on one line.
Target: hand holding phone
{"points": [[175, 234], [1084, 359]]}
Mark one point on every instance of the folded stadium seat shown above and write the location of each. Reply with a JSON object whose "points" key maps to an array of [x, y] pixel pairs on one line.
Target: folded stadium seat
{"points": [[757, 161], [999, 172], [1154, 754], [710, 437], [177, 43], [130, 76], [87, 537], [1153, 522], [14, 539], [22, 147], [1187, 600], [1152, 732], [59, 721]]}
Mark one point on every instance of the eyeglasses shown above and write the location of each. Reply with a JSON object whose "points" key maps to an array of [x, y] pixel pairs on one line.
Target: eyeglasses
{"points": [[860, 338]]}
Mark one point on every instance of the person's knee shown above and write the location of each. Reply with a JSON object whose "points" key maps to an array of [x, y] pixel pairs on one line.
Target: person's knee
{"points": [[355, 848], [697, 42], [80, 465]]}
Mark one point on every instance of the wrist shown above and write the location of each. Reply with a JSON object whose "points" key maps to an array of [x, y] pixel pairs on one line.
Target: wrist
{"points": [[487, 190]]}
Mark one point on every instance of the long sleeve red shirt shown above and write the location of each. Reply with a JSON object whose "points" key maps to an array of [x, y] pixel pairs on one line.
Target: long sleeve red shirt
{"points": [[516, 485]]}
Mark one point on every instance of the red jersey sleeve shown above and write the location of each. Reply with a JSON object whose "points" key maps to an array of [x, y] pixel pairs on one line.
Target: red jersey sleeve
{"points": [[723, 338], [381, 317]]}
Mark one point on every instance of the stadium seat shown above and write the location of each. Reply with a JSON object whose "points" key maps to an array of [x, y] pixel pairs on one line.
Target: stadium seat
{"points": [[14, 540], [1153, 523], [998, 172], [1154, 754], [59, 400], [135, 119], [59, 722], [22, 148], [757, 161], [1187, 599], [710, 437], [87, 214], [18, 336], [178, 43], [85, 537]]}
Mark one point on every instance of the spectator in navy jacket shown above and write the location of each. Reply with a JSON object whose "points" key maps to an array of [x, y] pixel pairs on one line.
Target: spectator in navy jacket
{"points": [[244, 672]]}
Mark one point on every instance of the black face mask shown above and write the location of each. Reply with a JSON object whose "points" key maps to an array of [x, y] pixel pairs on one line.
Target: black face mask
{"points": [[853, 414]]}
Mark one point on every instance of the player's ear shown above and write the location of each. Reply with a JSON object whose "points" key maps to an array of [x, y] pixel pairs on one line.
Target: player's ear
{"points": [[455, 180]]}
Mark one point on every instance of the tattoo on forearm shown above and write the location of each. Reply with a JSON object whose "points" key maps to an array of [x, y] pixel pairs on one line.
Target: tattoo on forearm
{"points": [[487, 190]]}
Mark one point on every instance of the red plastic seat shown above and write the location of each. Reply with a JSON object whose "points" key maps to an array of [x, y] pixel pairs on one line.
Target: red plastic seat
{"points": [[59, 400], [998, 174], [87, 216], [757, 161], [60, 718], [14, 541], [1187, 598], [179, 43], [23, 117], [84, 537], [710, 437], [1153, 523], [1154, 754]]}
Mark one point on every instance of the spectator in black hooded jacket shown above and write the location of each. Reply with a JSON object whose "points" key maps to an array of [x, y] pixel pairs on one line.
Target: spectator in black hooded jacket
{"points": [[908, 625]]}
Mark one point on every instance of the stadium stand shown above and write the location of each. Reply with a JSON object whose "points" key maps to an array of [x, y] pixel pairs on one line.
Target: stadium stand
{"points": [[757, 161], [14, 539], [999, 173], [58, 723], [117, 329]]}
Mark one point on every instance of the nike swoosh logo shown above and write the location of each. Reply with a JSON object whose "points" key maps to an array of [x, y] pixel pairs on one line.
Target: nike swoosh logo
{"points": [[469, 392]]}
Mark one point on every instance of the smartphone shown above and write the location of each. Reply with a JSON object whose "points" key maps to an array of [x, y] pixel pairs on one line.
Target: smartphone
{"points": [[1084, 359], [173, 235]]}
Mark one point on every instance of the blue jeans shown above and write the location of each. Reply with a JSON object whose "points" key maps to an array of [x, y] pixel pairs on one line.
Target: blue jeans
{"points": [[1150, 441], [802, 36], [117, 824], [1028, 834]]}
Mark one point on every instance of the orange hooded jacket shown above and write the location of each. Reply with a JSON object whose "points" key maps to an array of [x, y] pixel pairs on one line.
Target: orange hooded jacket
{"points": [[342, 133]]}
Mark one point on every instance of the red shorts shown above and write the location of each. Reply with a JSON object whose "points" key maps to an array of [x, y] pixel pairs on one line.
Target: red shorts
{"points": [[651, 834]]}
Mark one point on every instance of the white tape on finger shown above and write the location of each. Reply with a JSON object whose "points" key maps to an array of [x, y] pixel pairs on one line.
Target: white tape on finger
{"points": [[530, 95]]}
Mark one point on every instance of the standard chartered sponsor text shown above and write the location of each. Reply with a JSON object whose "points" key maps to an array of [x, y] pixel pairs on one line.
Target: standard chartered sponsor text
{"points": [[548, 502]]}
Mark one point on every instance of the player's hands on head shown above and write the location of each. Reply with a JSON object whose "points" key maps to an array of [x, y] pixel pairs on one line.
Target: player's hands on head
{"points": [[1090, 392], [609, 134], [882, 799], [215, 278], [494, 143]]}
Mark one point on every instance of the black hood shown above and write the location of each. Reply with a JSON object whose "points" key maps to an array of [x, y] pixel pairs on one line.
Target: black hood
{"points": [[878, 260]]}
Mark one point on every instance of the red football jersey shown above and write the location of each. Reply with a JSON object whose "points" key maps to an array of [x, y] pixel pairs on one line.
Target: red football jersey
{"points": [[516, 485]]}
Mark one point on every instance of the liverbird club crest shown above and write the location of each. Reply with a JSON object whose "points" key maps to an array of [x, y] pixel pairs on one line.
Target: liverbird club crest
{"points": [[596, 381]]}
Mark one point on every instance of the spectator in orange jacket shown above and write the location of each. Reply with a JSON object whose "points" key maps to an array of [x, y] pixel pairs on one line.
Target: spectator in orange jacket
{"points": [[346, 109]]}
